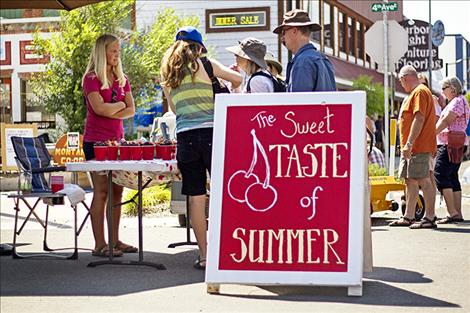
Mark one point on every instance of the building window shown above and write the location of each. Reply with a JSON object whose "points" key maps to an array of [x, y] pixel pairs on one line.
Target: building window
{"points": [[50, 13], [342, 32], [352, 37], [33, 111], [5, 100], [313, 9], [7, 13], [328, 25], [360, 41]]}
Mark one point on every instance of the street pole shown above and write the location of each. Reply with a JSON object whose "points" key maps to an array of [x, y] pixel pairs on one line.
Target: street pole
{"points": [[386, 110], [430, 47]]}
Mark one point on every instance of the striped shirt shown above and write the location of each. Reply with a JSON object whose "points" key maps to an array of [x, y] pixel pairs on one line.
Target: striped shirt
{"points": [[194, 104]]}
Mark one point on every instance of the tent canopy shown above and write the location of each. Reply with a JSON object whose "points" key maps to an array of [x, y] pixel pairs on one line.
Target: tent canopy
{"points": [[45, 4]]}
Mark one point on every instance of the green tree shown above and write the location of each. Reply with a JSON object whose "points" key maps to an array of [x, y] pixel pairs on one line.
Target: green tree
{"points": [[58, 88], [374, 92]]}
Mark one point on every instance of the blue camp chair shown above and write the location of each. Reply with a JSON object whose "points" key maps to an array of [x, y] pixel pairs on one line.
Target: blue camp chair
{"points": [[34, 164]]}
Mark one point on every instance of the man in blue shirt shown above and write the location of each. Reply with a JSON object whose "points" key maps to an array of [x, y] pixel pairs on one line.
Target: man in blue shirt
{"points": [[309, 70]]}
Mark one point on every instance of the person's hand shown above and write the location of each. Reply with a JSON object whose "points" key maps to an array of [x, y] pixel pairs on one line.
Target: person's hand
{"points": [[406, 152], [234, 67]]}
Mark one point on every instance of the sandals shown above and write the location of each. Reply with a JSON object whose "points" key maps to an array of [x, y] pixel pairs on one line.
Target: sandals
{"points": [[103, 252], [425, 223], [198, 263], [125, 248], [402, 222], [450, 220]]}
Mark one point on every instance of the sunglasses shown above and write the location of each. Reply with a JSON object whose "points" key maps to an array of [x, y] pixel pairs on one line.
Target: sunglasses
{"points": [[285, 29], [444, 88], [114, 95]]}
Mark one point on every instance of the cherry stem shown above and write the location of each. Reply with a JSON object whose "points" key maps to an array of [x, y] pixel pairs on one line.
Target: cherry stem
{"points": [[257, 143], [255, 156]]}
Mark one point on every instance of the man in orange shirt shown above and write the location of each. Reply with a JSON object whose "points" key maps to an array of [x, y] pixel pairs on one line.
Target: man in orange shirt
{"points": [[418, 146]]}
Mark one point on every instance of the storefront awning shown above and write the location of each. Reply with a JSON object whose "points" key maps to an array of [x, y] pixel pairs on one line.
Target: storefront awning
{"points": [[346, 72]]}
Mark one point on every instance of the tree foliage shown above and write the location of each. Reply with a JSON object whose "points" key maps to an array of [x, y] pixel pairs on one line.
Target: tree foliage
{"points": [[374, 92], [58, 88]]}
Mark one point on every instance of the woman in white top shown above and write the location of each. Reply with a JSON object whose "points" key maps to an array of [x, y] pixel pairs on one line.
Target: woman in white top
{"points": [[250, 55]]}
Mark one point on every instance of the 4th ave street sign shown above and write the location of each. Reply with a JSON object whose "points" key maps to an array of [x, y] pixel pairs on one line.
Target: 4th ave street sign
{"points": [[388, 6]]}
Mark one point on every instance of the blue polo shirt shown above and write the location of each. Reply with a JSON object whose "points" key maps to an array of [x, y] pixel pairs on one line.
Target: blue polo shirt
{"points": [[310, 70]]}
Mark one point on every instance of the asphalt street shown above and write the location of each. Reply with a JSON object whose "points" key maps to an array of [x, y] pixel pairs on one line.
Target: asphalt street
{"points": [[414, 271]]}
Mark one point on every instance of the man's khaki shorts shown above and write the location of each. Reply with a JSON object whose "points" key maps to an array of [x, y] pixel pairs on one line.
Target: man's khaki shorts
{"points": [[416, 167]]}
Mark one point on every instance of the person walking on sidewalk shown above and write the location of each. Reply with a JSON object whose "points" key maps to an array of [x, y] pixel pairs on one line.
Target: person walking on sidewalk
{"points": [[454, 117], [188, 89], [418, 145], [309, 70]]}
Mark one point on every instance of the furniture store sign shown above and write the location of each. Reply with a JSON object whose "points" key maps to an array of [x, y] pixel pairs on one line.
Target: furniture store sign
{"points": [[418, 47], [239, 19], [288, 175]]}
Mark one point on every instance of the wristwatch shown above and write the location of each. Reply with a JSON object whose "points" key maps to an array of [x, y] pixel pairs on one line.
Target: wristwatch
{"points": [[408, 144]]}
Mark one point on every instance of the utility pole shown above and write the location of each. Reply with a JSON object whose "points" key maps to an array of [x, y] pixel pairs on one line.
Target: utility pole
{"points": [[386, 107], [430, 47]]}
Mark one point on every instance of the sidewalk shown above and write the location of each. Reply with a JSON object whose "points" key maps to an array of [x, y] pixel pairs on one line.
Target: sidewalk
{"points": [[414, 271]]}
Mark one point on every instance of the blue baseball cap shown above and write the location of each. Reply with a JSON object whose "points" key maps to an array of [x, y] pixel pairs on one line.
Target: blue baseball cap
{"points": [[190, 33]]}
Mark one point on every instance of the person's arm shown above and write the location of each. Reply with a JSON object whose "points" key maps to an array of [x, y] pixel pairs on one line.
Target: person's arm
{"points": [[102, 108], [221, 71], [166, 91], [304, 73], [129, 110], [416, 127], [445, 122]]}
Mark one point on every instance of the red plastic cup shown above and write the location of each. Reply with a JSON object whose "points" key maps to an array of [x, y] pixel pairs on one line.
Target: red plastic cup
{"points": [[101, 153], [136, 153], [113, 152], [148, 152], [125, 153], [166, 152], [57, 183]]}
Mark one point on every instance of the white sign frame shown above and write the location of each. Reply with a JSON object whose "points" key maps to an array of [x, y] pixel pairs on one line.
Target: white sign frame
{"points": [[8, 131], [353, 276]]}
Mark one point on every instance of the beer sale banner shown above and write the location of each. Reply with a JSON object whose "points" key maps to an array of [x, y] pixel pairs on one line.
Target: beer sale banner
{"points": [[287, 189]]}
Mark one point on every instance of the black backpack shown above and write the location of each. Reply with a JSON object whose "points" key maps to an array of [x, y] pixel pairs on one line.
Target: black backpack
{"points": [[279, 84], [217, 85]]}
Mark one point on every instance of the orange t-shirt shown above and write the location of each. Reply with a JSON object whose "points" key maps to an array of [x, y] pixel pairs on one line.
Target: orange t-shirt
{"points": [[419, 100]]}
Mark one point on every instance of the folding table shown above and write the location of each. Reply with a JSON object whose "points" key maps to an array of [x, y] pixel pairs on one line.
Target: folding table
{"points": [[155, 167]]}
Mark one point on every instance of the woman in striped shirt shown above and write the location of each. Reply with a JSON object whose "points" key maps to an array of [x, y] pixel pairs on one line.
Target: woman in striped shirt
{"points": [[188, 88]]}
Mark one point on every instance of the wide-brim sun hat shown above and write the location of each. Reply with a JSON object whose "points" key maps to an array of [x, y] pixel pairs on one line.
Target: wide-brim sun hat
{"points": [[190, 33], [269, 58], [298, 18], [252, 49]]}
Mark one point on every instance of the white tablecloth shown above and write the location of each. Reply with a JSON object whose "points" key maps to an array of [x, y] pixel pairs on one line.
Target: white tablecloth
{"points": [[125, 172]]}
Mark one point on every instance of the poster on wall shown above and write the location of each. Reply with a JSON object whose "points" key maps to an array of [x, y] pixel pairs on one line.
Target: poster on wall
{"points": [[8, 131], [287, 189]]}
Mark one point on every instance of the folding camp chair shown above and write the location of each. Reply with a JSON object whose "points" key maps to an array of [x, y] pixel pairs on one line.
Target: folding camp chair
{"points": [[34, 161]]}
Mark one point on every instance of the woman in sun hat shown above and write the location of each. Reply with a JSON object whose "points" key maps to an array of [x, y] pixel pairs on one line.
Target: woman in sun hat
{"points": [[273, 64], [249, 55], [188, 89]]}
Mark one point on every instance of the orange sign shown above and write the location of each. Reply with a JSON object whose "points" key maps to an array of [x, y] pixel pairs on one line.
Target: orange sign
{"points": [[64, 154]]}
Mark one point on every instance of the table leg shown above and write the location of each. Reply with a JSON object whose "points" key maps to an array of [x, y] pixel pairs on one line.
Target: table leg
{"points": [[139, 184], [188, 241], [139, 209]]}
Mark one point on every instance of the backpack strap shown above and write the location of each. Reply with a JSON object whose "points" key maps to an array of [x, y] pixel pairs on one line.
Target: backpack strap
{"points": [[209, 69], [259, 73]]}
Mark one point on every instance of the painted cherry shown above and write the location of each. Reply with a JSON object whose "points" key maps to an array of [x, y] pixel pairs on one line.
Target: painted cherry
{"points": [[260, 198], [237, 184]]}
